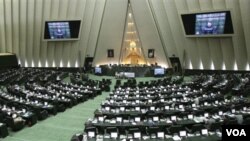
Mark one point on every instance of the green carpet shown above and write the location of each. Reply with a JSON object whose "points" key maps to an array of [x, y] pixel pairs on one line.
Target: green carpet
{"points": [[62, 126]]}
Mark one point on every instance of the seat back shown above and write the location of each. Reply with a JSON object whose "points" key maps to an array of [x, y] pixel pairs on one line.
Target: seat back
{"points": [[215, 126], [135, 132], [246, 121], [175, 129], [197, 128], [91, 131], [112, 131]]}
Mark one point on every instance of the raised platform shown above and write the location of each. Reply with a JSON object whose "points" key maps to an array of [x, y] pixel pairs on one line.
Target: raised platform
{"points": [[138, 70]]}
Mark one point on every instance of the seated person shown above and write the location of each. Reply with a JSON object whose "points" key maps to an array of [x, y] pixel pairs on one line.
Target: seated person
{"points": [[209, 120]]}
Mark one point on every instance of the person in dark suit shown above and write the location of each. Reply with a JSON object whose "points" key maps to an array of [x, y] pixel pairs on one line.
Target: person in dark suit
{"points": [[77, 137]]}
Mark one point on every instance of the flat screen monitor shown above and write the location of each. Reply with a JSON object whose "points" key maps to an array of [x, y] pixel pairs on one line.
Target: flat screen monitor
{"points": [[173, 118], [98, 70], [91, 134], [113, 134], [159, 71], [160, 134], [204, 132], [206, 114], [190, 116], [193, 105], [107, 108], [137, 119], [101, 119], [205, 24], [122, 108], [181, 106], [137, 135], [119, 119], [183, 133], [233, 111], [155, 118], [62, 30], [137, 108]]}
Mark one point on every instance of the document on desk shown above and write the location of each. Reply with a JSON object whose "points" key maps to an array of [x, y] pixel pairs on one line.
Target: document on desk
{"points": [[176, 138], [169, 121], [168, 136]]}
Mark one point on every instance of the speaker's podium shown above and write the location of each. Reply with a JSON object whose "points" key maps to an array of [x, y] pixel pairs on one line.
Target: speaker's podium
{"points": [[8, 60], [175, 61]]}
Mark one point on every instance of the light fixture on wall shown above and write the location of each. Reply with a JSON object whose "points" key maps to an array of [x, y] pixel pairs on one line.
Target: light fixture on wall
{"points": [[201, 65], [212, 65], [61, 63], [76, 64], [32, 64], [46, 64], [132, 44], [39, 64], [223, 66], [26, 63], [53, 64], [68, 65], [190, 65], [235, 66], [247, 67]]}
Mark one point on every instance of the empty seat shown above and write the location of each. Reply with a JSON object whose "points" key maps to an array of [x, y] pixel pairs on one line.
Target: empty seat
{"points": [[195, 128], [135, 133], [215, 126], [174, 129]]}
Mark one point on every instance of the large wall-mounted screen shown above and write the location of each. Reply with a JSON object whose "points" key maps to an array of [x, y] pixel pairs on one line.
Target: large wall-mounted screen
{"points": [[62, 30], [208, 24]]}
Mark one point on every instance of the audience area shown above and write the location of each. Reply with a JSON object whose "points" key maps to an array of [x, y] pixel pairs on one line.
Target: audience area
{"points": [[30, 95], [171, 108], [78, 106]]}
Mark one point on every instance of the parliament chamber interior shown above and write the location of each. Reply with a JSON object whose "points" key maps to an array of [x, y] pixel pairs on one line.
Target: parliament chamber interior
{"points": [[104, 70]]}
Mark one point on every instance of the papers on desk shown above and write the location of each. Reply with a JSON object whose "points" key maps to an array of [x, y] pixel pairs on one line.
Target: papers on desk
{"points": [[169, 121], [199, 119], [211, 133], [145, 137], [99, 139], [113, 121], [176, 138], [94, 121], [216, 116], [168, 136], [219, 134], [190, 135]]}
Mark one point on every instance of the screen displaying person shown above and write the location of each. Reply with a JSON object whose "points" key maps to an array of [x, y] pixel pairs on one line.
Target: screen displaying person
{"points": [[209, 28], [59, 33]]}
